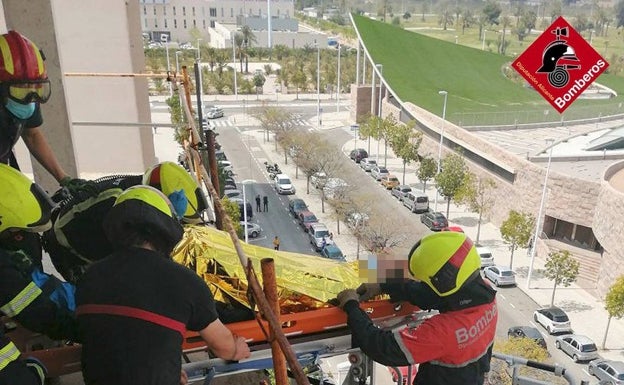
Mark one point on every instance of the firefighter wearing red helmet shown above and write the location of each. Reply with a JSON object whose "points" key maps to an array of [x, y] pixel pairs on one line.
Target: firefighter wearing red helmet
{"points": [[452, 347], [24, 86]]}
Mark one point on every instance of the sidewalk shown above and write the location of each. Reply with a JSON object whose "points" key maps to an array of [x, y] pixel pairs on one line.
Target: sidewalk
{"points": [[587, 313]]}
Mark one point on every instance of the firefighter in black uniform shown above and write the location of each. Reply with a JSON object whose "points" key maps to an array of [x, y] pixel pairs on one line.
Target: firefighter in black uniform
{"points": [[38, 301]]}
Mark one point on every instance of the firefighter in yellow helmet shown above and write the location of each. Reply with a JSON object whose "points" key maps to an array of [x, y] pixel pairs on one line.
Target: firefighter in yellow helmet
{"points": [[38, 301], [452, 347], [143, 301]]}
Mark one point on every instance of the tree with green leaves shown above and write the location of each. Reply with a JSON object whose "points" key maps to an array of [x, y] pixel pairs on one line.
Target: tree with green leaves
{"points": [[299, 79], [258, 81], [371, 127], [491, 12], [405, 142], [277, 120], [562, 269], [614, 303], [520, 347], [427, 170], [248, 39], [476, 193], [233, 211], [517, 230], [450, 179]]}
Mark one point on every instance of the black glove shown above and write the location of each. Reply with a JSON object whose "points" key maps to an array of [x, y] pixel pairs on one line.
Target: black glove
{"points": [[368, 290], [77, 187], [346, 296]]}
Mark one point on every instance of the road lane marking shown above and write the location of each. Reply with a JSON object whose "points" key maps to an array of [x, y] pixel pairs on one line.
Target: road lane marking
{"points": [[502, 296], [512, 305]]}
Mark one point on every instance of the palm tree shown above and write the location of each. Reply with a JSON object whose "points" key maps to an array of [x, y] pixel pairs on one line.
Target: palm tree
{"points": [[248, 38], [238, 43]]}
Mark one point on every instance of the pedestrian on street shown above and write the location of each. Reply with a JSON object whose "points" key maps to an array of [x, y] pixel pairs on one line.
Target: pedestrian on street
{"points": [[265, 200], [258, 203], [276, 243], [324, 243], [452, 347]]}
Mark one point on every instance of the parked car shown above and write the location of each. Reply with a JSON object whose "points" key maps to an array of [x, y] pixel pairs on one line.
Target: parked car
{"points": [[607, 371], [500, 275], [390, 181], [553, 319], [220, 155], [318, 179], [434, 220], [283, 184], [253, 229], [416, 202], [356, 219], [232, 193], [400, 191], [306, 219], [331, 251], [229, 183], [317, 232], [487, 259], [334, 188], [358, 154], [527, 332], [295, 206], [580, 348], [241, 209], [379, 172], [367, 164], [226, 165], [214, 112]]}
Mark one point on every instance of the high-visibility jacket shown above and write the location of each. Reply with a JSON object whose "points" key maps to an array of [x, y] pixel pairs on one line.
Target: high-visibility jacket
{"points": [[15, 371], [38, 301]]}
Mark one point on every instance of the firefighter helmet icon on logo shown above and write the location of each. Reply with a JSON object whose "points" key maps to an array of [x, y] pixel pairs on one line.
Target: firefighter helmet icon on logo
{"points": [[560, 64]]}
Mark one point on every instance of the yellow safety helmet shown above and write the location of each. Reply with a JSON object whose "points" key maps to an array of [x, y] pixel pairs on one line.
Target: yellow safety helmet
{"points": [[445, 261], [143, 209], [169, 178], [23, 204]]}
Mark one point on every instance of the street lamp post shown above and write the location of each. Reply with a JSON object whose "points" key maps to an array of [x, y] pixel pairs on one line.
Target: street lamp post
{"points": [[338, 87], [165, 39], [177, 62], [380, 69], [538, 222], [234, 68], [198, 51], [318, 84], [200, 85], [445, 94]]}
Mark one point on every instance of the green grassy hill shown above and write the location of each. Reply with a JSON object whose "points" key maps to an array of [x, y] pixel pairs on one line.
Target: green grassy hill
{"points": [[417, 67]]}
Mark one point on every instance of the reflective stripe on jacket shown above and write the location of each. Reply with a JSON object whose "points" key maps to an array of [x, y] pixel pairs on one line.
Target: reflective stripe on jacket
{"points": [[8, 354], [21, 300]]}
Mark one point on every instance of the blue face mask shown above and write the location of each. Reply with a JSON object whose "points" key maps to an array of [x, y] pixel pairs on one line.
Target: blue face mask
{"points": [[20, 111]]}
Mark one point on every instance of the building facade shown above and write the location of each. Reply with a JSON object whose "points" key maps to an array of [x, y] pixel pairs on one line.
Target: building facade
{"points": [[177, 18]]}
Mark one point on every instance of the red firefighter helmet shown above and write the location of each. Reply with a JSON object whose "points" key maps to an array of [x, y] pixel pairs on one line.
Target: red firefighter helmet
{"points": [[23, 76]]}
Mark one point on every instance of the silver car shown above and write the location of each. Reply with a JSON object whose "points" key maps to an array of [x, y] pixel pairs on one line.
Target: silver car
{"points": [[580, 348], [609, 372], [367, 164], [253, 230], [500, 275]]}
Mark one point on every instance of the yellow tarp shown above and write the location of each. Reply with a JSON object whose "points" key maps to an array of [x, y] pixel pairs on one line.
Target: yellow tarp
{"points": [[305, 280]]}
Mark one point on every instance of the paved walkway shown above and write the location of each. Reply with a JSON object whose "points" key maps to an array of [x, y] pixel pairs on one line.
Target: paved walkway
{"points": [[586, 312]]}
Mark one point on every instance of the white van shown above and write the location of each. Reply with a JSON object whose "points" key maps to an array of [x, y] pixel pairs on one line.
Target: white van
{"points": [[416, 202], [487, 259]]}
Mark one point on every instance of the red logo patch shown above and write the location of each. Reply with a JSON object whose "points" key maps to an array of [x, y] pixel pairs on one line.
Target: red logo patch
{"points": [[560, 64]]}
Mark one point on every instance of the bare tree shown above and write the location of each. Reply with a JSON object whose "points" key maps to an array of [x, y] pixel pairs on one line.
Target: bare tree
{"points": [[382, 233], [276, 120]]}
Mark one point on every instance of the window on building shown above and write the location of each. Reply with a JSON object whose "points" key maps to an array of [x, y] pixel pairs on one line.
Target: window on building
{"points": [[212, 23], [175, 23], [154, 11], [213, 12], [155, 23], [145, 23], [194, 23], [193, 9], [165, 23], [183, 11], [204, 24], [144, 10], [174, 12], [165, 10], [184, 23]]}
